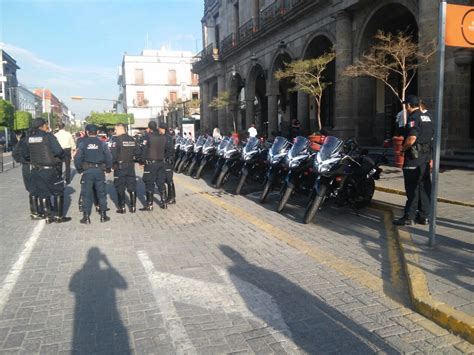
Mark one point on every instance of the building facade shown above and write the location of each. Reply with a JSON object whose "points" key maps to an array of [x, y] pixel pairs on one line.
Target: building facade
{"points": [[28, 101], [246, 41], [8, 78], [51, 104], [151, 83]]}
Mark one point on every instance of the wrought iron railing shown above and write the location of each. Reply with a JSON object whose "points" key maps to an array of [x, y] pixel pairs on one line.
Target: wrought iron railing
{"points": [[228, 43], [247, 29], [269, 14]]}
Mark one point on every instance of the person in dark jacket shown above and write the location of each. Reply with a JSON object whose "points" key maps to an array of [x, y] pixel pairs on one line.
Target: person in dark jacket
{"points": [[44, 154], [156, 148], [169, 164], [92, 158], [125, 150]]}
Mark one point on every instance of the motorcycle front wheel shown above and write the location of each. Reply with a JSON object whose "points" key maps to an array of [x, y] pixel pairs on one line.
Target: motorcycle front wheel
{"points": [[190, 169], [284, 197], [266, 190], [241, 183], [314, 204], [200, 169], [180, 168], [222, 177]]}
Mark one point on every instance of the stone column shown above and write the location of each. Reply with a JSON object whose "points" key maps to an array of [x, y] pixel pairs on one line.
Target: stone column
{"points": [[249, 113], [222, 112], [344, 123], [205, 114], [272, 119], [303, 114]]}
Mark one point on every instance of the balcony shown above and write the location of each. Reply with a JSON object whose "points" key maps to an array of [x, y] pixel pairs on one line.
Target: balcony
{"points": [[270, 14], [247, 29], [228, 43]]}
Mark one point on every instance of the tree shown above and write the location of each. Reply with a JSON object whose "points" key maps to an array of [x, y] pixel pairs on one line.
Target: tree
{"points": [[53, 119], [6, 113], [109, 118], [307, 75], [392, 56], [224, 101], [22, 120]]}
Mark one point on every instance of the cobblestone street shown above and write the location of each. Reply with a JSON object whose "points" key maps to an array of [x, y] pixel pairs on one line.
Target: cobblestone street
{"points": [[215, 273]]}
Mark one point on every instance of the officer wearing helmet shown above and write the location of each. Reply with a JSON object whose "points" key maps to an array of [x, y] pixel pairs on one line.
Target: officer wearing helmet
{"points": [[124, 151], [92, 158], [417, 146], [157, 148], [44, 153]]}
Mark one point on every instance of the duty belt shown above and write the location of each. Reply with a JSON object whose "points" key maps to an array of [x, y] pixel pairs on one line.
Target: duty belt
{"points": [[87, 165], [43, 167], [152, 161]]}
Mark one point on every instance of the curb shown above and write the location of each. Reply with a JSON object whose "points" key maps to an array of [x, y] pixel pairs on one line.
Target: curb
{"points": [[441, 313], [440, 199]]}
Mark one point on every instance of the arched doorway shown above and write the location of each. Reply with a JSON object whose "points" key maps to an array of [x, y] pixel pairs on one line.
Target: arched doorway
{"points": [[256, 99], [377, 105], [237, 96], [317, 47]]}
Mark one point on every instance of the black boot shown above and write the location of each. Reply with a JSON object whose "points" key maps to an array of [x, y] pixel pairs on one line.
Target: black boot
{"points": [[163, 203], [81, 203], [121, 203], [133, 201], [59, 202], [149, 202], [104, 217], [85, 219], [46, 206], [171, 194], [39, 213], [34, 208], [403, 221]]}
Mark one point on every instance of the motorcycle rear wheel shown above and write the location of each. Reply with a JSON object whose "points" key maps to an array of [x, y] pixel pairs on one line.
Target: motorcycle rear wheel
{"points": [[314, 204], [368, 193], [285, 197]]}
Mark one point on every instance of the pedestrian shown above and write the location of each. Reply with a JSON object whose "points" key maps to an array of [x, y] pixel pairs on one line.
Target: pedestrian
{"points": [[66, 140], [216, 134], [295, 127], [92, 159], [26, 173], [124, 150], [419, 132], [44, 153], [252, 131], [156, 148], [169, 164], [400, 123]]}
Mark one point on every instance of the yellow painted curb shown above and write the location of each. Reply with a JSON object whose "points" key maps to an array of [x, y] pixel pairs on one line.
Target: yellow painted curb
{"points": [[440, 199], [443, 314]]}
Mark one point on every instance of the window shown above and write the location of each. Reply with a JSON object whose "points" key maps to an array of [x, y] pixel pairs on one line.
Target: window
{"points": [[194, 79], [172, 77], [139, 78], [195, 96], [140, 98], [173, 96]]}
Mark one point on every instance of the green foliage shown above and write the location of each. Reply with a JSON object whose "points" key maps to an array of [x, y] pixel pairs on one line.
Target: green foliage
{"points": [[6, 113], [109, 118], [22, 120], [223, 100], [53, 119]]}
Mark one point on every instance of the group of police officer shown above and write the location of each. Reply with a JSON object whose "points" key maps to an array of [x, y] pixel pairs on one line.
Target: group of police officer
{"points": [[42, 156]]}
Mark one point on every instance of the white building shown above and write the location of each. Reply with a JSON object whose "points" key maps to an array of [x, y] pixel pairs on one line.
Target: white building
{"points": [[149, 80], [27, 101]]}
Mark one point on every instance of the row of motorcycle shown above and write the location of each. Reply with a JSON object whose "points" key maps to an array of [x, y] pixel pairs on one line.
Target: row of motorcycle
{"points": [[337, 170]]}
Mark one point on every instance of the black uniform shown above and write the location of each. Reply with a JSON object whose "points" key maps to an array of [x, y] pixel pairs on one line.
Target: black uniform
{"points": [[156, 148], [92, 158], [45, 154], [124, 151], [169, 164], [416, 171]]}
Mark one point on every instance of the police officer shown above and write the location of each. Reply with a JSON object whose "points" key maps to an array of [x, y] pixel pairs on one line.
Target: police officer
{"points": [[169, 164], [417, 145], [124, 150], [156, 148], [26, 173], [44, 153], [92, 158]]}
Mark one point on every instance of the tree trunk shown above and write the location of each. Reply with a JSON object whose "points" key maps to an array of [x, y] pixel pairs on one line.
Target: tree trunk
{"points": [[318, 113]]}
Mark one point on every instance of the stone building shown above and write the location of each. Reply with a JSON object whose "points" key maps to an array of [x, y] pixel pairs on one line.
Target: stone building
{"points": [[246, 41]]}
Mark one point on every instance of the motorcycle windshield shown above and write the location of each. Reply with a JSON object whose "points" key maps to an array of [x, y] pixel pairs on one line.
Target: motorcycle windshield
{"points": [[224, 143], [300, 145], [179, 140], [278, 145], [331, 146], [200, 142], [251, 145], [209, 142]]}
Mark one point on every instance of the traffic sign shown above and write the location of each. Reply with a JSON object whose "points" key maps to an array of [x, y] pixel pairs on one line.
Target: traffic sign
{"points": [[459, 26]]}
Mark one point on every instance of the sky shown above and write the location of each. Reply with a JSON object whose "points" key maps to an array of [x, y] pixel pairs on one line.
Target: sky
{"points": [[74, 47]]}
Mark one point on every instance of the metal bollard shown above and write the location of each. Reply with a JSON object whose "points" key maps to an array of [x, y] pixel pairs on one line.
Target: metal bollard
{"points": [[1, 157]]}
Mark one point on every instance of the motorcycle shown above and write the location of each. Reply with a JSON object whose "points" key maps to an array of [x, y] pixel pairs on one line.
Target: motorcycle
{"points": [[196, 157], [254, 157], [276, 172], [209, 150], [345, 175], [300, 176], [177, 144], [232, 165], [220, 158], [186, 153]]}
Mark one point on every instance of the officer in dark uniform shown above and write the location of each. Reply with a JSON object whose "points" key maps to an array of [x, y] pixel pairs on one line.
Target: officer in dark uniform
{"points": [[92, 158], [124, 151], [44, 153], [417, 146], [26, 173], [156, 148], [169, 164]]}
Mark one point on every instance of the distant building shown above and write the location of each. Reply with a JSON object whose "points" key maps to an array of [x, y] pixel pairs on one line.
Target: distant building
{"points": [[28, 101], [8, 79], [51, 104], [149, 82]]}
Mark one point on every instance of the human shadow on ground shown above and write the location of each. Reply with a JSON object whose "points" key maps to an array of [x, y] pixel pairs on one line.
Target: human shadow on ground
{"points": [[97, 323], [315, 326]]}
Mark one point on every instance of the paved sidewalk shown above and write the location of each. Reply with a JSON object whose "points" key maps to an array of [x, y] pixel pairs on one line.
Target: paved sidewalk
{"points": [[449, 266]]}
